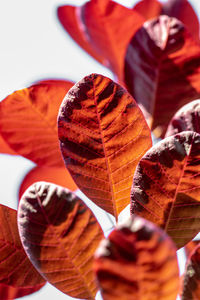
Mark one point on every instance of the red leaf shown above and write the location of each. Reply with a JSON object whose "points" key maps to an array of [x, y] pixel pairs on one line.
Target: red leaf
{"points": [[164, 62], [15, 267], [4, 148], [28, 121], [59, 176], [68, 16], [191, 280], [102, 135], [137, 261], [166, 187], [180, 9], [189, 247], [60, 234], [109, 26], [9, 292], [187, 118]]}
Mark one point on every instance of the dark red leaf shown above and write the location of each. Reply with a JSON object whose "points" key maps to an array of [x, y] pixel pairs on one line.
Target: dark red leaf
{"points": [[166, 186], [9, 292], [109, 27], [103, 135], [187, 118], [28, 121], [15, 268], [162, 70], [137, 261], [60, 234]]}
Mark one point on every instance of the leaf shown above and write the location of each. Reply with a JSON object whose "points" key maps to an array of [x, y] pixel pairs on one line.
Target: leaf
{"points": [[166, 186], [137, 261], [180, 9], [189, 247], [15, 267], [186, 118], [9, 292], [28, 121], [60, 234], [4, 148], [102, 135], [164, 61], [68, 17], [58, 176], [109, 27], [191, 281]]}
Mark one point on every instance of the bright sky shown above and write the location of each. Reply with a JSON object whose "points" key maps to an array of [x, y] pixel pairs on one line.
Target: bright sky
{"points": [[34, 46]]}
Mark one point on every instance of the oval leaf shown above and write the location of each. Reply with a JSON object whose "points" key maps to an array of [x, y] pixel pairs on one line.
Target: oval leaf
{"points": [[102, 135], [191, 280], [60, 235], [28, 121], [68, 17], [15, 268], [58, 176], [104, 25], [166, 186], [187, 118], [162, 47], [137, 261]]}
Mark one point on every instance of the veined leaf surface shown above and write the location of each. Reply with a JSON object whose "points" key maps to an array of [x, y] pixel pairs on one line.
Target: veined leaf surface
{"points": [[162, 70], [59, 176], [15, 268], [109, 27], [191, 280], [186, 118], [180, 9], [137, 261], [103, 135], [28, 121], [166, 186], [10, 293], [60, 234]]}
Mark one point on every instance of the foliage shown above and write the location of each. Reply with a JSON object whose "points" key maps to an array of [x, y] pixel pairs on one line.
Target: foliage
{"points": [[101, 131]]}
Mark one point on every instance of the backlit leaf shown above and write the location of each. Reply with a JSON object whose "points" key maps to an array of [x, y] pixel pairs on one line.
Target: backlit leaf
{"points": [[180, 9], [102, 135], [68, 16], [166, 186], [191, 280], [137, 261], [28, 121], [162, 60], [9, 292], [15, 268], [109, 27], [59, 176], [60, 235], [4, 148], [187, 118]]}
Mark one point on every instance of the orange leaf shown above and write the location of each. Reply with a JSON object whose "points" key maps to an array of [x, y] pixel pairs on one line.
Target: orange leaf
{"points": [[28, 121], [103, 135], [137, 261], [162, 47], [15, 267], [191, 280], [68, 17], [59, 176], [109, 27], [189, 247], [60, 234], [4, 148], [166, 187]]}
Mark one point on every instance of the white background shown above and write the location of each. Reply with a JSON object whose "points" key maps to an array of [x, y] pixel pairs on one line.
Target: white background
{"points": [[34, 46]]}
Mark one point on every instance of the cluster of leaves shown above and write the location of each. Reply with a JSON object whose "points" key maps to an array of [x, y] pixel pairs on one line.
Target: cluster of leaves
{"points": [[105, 139]]}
